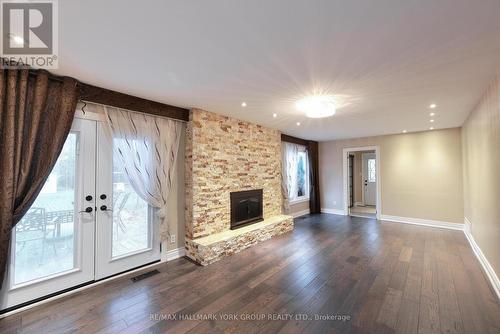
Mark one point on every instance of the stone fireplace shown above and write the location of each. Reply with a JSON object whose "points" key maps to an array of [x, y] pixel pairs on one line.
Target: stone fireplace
{"points": [[246, 208], [231, 162]]}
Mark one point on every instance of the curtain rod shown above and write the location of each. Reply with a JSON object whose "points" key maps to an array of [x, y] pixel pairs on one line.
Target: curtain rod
{"points": [[50, 75]]}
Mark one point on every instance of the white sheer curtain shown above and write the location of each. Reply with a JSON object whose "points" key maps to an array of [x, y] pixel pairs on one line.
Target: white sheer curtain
{"points": [[147, 147], [289, 173]]}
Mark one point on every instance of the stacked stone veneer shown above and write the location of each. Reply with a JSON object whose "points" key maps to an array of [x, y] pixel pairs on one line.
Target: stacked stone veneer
{"points": [[223, 155]]}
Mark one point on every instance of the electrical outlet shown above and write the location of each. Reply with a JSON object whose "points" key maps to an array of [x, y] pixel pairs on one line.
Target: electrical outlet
{"points": [[172, 239]]}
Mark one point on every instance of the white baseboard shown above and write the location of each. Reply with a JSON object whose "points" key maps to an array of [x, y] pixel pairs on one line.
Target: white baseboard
{"points": [[423, 222], [467, 226], [173, 254], [488, 269], [333, 211], [300, 213]]}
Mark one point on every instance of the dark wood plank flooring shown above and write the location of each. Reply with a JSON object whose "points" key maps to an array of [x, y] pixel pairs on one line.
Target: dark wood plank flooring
{"points": [[381, 277]]}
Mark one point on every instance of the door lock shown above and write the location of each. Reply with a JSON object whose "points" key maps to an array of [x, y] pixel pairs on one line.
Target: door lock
{"points": [[104, 208]]}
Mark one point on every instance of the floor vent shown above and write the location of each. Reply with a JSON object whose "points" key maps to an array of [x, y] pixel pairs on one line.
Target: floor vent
{"points": [[145, 275]]}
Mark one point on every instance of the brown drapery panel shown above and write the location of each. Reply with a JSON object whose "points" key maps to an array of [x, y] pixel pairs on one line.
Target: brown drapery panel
{"points": [[36, 113], [314, 201]]}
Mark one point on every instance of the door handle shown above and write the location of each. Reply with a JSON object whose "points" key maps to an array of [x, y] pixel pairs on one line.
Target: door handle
{"points": [[87, 210]]}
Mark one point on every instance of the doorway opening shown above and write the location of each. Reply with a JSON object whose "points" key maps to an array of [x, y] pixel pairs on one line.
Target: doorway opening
{"points": [[361, 182]]}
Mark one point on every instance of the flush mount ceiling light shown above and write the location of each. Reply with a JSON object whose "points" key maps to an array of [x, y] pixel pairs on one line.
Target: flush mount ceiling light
{"points": [[317, 106], [243, 104], [404, 131], [275, 115], [432, 121], [432, 106], [432, 114], [298, 123]]}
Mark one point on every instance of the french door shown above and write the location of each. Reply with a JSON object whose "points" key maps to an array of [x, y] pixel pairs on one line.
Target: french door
{"points": [[86, 224]]}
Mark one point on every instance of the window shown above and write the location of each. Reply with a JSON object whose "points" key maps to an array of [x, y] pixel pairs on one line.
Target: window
{"points": [[302, 176], [371, 170]]}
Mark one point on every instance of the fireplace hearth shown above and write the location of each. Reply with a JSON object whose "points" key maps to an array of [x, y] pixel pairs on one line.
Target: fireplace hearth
{"points": [[246, 208]]}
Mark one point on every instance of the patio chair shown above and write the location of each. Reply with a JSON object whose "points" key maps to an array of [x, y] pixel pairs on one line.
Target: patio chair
{"points": [[31, 227], [54, 233]]}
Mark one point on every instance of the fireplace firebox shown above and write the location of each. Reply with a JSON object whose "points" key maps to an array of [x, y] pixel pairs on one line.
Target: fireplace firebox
{"points": [[246, 208]]}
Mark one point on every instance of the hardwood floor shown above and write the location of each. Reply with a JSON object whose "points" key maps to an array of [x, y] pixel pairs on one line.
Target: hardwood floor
{"points": [[375, 277]]}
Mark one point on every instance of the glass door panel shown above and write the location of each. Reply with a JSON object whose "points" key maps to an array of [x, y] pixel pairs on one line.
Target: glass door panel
{"points": [[131, 221], [45, 237]]}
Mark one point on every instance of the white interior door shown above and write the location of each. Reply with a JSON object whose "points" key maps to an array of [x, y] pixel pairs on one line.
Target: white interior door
{"points": [[127, 228], [369, 179], [53, 245]]}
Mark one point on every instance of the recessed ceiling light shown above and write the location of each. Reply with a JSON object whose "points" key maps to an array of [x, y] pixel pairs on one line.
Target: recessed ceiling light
{"points": [[317, 106], [298, 123], [404, 131], [243, 104], [431, 128], [432, 106], [432, 114], [275, 115], [432, 121], [17, 39]]}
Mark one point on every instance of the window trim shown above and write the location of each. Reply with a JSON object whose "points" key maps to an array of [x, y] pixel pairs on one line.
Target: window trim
{"points": [[301, 199]]}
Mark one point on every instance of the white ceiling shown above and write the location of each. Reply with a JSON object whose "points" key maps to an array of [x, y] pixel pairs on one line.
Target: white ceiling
{"points": [[386, 60]]}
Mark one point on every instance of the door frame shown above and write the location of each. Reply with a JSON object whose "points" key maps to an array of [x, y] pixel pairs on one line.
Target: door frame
{"points": [[345, 189]]}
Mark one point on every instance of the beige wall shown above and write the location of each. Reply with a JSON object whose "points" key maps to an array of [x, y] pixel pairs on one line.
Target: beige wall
{"points": [[481, 152], [177, 198], [421, 174], [298, 208]]}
